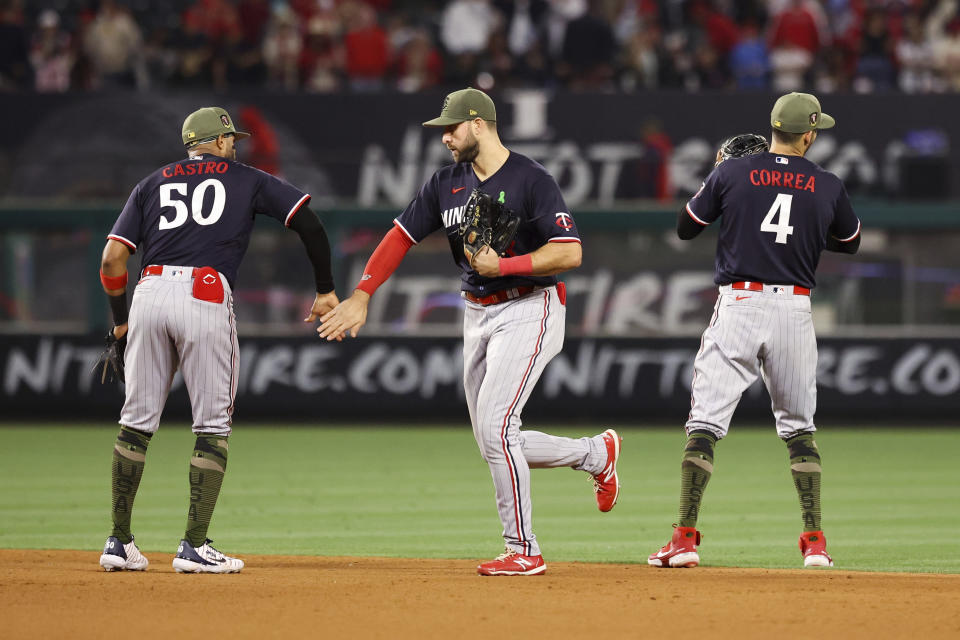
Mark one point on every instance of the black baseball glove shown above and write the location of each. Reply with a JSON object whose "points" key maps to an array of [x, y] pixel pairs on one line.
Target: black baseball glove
{"points": [[111, 359], [745, 144], [487, 222]]}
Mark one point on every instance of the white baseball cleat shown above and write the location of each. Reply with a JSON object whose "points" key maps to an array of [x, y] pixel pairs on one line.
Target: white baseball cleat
{"points": [[204, 559], [122, 557]]}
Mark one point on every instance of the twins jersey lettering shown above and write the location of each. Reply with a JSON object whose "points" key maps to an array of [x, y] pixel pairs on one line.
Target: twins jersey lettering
{"points": [[775, 214], [199, 212], [522, 185]]}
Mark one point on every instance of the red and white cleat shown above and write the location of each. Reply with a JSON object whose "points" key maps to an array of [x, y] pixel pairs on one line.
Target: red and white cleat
{"points": [[606, 484], [511, 563], [681, 551], [813, 546]]}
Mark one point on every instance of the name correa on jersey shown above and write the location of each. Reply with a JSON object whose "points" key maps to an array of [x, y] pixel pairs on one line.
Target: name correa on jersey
{"points": [[774, 220], [522, 185], [199, 212]]}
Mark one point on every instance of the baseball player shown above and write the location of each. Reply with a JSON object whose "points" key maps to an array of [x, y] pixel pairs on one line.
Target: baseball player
{"points": [[778, 211], [514, 317], [191, 222]]}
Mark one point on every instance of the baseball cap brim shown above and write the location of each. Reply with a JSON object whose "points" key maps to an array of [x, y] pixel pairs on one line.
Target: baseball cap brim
{"points": [[825, 121], [443, 121]]}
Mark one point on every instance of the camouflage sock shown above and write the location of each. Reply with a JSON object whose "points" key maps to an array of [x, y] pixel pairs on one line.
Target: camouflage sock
{"points": [[129, 457], [695, 471], [805, 468], [207, 466]]}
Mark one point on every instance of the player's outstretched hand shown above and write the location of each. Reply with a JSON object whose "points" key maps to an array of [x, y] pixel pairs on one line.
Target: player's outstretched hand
{"points": [[346, 318], [486, 262], [322, 304]]}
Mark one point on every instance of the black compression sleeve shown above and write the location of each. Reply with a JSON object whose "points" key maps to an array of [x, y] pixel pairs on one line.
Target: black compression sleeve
{"points": [[850, 246], [687, 227], [307, 225], [118, 306]]}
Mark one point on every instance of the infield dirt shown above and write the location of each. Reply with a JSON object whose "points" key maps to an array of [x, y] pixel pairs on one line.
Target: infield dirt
{"points": [[65, 594]]}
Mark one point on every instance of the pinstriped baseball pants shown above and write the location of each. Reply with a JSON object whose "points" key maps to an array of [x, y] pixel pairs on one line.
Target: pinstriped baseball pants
{"points": [[170, 329], [751, 334], [505, 350]]}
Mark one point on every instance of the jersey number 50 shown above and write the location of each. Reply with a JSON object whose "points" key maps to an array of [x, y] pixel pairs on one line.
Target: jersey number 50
{"points": [[782, 228], [167, 199]]}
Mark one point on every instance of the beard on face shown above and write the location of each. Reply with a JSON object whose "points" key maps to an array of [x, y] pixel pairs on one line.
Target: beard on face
{"points": [[468, 153]]}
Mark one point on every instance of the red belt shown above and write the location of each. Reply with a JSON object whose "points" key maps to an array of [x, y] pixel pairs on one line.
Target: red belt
{"points": [[157, 270], [498, 296], [758, 286]]}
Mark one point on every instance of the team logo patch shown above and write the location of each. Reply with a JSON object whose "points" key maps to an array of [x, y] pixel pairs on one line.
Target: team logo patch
{"points": [[813, 118], [782, 160], [225, 120], [564, 220]]}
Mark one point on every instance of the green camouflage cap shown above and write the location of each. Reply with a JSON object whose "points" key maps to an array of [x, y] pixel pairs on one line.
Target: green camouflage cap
{"points": [[799, 113], [462, 105], [206, 124]]}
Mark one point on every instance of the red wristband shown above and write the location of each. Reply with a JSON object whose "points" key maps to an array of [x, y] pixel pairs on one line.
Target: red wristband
{"points": [[113, 283], [517, 265]]}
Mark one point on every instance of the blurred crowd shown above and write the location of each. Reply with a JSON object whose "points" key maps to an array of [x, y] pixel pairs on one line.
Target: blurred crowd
{"points": [[371, 45]]}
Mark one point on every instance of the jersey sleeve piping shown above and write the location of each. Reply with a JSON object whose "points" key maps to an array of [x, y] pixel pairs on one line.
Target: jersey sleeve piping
{"points": [[407, 233], [296, 207], [855, 234], [694, 216], [121, 239], [565, 239]]}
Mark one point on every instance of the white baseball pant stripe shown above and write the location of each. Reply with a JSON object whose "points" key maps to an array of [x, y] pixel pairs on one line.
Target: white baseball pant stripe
{"points": [[169, 329], [767, 334], [506, 348]]}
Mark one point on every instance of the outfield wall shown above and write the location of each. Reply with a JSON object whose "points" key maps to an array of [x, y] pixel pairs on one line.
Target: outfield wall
{"points": [[412, 379]]}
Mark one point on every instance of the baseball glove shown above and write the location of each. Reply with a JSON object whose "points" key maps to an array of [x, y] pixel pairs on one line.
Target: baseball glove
{"points": [[487, 222], [745, 144], [111, 359]]}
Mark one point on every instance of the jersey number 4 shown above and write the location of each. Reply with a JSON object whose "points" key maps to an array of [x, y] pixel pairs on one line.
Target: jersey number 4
{"points": [[168, 198], [782, 228]]}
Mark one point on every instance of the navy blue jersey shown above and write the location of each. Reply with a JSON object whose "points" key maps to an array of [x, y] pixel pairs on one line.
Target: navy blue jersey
{"points": [[198, 212], [522, 185], [775, 213]]}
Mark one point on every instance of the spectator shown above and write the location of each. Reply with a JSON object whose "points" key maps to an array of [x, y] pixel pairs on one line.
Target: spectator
{"points": [[589, 49], [749, 61], [114, 42], [281, 49], [366, 48], [641, 60], [465, 29], [322, 58], [14, 50], [51, 55], [915, 57], [419, 65], [875, 66], [943, 32]]}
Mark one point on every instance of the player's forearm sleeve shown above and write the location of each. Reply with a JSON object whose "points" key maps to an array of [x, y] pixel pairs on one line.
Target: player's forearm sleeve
{"points": [[385, 260], [687, 227], [314, 237]]}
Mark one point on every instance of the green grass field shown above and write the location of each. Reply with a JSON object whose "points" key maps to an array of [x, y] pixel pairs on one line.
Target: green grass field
{"points": [[891, 498]]}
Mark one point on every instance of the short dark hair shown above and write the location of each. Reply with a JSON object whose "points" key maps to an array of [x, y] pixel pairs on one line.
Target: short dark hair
{"points": [[785, 137]]}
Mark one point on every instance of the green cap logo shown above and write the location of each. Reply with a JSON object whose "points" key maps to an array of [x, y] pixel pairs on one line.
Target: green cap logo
{"points": [[462, 105]]}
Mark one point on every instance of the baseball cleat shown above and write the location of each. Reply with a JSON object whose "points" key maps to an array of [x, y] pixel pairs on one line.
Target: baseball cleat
{"points": [[122, 557], [606, 484], [204, 559], [681, 551], [813, 546], [511, 563]]}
